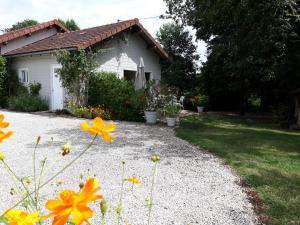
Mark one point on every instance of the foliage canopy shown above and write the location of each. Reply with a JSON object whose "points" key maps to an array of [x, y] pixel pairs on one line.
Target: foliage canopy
{"points": [[70, 24], [178, 42], [22, 24], [253, 48]]}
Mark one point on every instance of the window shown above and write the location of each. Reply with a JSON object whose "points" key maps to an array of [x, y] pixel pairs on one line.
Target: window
{"points": [[129, 75], [24, 76], [148, 76]]}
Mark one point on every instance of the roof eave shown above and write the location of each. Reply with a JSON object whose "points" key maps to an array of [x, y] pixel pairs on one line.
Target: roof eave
{"points": [[32, 29], [36, 53]]}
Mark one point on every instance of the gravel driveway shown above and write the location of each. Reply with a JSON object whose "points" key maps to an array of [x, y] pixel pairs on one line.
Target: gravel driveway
{"points": [[193, 187]]}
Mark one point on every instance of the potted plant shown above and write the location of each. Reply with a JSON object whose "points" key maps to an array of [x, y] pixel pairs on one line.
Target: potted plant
{"points": [[171, 112], [152, 102], [200, 101]]}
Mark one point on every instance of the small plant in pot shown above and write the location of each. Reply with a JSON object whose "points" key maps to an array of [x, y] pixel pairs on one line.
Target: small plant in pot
{"points": [[152, 101], [200, 101], [171, 112]]}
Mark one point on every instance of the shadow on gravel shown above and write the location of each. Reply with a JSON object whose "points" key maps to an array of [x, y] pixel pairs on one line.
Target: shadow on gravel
{"points": [[143, 141]]}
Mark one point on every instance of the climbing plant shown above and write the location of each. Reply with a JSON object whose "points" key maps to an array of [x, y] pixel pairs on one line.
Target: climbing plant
{"points": [[77, 68]]}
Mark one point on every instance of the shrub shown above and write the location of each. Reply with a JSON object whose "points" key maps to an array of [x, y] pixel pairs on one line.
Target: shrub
{"points": [[200, 100], [3, 84], [35, 89], [27, 101], [116, 95], [170, 110], [90, 112]]}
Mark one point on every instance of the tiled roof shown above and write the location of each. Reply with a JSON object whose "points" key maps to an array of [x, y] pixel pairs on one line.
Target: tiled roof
{"points": [[29, 30], [84, 38]]}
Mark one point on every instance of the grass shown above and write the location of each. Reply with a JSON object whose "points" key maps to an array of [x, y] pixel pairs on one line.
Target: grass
{"points": [[266, 156]]}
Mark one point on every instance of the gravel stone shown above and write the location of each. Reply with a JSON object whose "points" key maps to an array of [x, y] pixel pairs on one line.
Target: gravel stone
{"points": [[193, 186]]}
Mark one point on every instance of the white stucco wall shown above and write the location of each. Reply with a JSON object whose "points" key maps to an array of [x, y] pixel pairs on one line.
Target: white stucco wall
{"points": [[36, 36], [121, 55], [39, 69]]}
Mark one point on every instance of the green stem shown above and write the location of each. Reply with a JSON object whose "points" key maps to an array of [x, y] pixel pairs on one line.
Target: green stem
{"points": [[40, 177], [34, 176], [151, 193], [18, 179], [19, 190], [58, 173], [103, 220], [121, 194]]}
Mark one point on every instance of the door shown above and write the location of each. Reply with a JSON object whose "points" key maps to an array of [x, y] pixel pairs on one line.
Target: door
{"points": [[57, 98]]}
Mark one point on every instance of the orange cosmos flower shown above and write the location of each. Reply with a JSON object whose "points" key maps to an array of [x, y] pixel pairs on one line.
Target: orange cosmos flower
{"points": [[3, 124], [101, 128], [134, 180], [4, 135], [74, 203]]}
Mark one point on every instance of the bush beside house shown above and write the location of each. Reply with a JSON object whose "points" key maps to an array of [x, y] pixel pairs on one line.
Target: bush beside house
{"points": [[3, 83], [116, 95], [27, 99]]}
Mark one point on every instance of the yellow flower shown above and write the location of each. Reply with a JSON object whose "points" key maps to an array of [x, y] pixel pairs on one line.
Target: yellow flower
{"points": [[18, 217], [134, 180], [101, 128], [1, 156], [74, 203]]}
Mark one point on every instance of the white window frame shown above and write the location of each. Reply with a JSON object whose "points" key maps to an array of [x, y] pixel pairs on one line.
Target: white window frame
{"points": [[26, 82]]}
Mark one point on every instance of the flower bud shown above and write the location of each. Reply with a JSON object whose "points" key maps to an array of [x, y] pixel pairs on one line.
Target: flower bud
{"points": [[103, 207], [81, 185], [28, 180], [38, 140], [66, 149], [2, 156], [59, 182], [155, 158]]}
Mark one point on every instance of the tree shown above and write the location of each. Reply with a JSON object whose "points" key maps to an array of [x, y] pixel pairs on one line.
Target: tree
{"points": [[77, 68], [70, 24], [22, 24], [178, 42], [247, 39]]}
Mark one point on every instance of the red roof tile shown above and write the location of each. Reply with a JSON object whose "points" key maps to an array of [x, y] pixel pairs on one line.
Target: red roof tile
{"points": [[84, 38], [28, 30]]}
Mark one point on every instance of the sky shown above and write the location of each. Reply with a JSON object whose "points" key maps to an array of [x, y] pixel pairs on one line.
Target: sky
{"points": [[88, 13]]}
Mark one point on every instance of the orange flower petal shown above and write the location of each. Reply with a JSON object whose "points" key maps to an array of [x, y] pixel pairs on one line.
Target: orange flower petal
{"points": [[82, 214], [5, 135], [101, 128], [4, 124], [98, 122], [60, 220], [85, 126], [110, 127]]}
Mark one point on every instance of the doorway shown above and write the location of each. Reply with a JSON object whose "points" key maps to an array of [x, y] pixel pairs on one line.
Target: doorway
{"points": [[57, 97]]}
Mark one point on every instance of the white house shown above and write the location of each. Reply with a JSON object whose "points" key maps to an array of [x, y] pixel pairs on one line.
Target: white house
{"points": [[32, 51]]}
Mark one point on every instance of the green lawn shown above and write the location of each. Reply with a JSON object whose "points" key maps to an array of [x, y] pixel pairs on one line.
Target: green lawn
{"points": [[266, 156]]}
